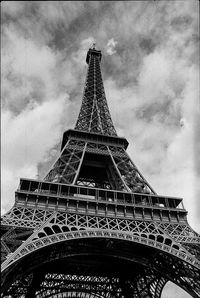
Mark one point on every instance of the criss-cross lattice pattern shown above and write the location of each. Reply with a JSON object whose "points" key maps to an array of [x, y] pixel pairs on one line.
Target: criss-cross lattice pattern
{"points": [[59, 227], [67, 165], [94, 207], [94, 114], [121, 172], [83, 286], [185, 235]]}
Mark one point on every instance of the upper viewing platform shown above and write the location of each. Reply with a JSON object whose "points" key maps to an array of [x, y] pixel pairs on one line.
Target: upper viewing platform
{"points": [[94, 52]]}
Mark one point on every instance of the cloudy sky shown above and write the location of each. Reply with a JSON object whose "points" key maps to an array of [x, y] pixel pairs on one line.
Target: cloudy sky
{"points": [[150, 71]]}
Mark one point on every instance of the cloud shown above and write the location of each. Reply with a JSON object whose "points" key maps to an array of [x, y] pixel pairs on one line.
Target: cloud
{"points": [[37, 92], [13, 8], [26, 143], [150, 70], [79, 56], [110, 47], [172, 289], [160, 121], [154, 76], [28, 73]]}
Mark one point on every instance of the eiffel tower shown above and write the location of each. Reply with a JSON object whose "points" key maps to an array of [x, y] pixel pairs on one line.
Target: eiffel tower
{"points": [[94, 227]]}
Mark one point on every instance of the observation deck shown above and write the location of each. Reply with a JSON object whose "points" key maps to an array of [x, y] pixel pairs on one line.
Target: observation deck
{"points": [[100, 202]]}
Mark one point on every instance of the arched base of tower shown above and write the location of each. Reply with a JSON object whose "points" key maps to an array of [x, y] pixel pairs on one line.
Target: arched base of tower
{"points": [[90, 268]]}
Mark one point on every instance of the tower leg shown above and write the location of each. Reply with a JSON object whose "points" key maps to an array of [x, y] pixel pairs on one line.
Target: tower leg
{"points": [[35, 284], [143, 286]]}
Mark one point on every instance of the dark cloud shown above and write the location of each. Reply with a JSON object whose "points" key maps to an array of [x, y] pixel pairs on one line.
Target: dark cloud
{"points": [[181, 23], [150, 70], [147, 45]]}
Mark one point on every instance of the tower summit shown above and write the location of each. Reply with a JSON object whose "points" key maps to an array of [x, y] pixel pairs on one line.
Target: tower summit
{"points": [[94, 227], [94, 114]]}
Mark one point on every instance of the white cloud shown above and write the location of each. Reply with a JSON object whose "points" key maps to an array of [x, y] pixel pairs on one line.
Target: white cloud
{"points": [[156, 110], [172, 290], [160, 144], [111, 46], [154, 77], [13, 8], [30, 61], [29, 135], [56, 12], [26, 140], [80, 55]]}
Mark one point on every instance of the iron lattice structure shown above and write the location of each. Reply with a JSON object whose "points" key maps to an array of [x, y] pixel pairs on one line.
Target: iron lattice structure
{"points": [[94, 227]]}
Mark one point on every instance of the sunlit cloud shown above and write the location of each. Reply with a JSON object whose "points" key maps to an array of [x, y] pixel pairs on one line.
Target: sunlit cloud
{"points": [[150, 74], [111, 47], [151, 79]]}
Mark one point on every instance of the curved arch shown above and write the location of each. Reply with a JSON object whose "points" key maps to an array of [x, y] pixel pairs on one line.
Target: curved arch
{"points": [[70, 248], [74, 228], [168, 241], [56, 229], [47, 242], [65, 229], [144, 235], [41, 234], [51, 238], [48, 231], [152, 237], [160, 238], [175, 246]]}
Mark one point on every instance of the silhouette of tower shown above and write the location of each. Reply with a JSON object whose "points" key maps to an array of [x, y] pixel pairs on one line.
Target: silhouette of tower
{"points": [[94, 227]]}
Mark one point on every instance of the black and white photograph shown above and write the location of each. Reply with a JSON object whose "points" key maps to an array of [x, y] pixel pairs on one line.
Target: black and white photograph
{"points": [[100, 141]]}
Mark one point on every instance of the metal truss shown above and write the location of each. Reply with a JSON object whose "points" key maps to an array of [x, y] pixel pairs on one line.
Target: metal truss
{"points": [[94, 115], [130, 175], [65, 168], [185, 235], [181, 233], [92, 285], [62, 285], [181, 268], [61, 228], [95, 202], [31, 218], [121, 172], [24, 217]]}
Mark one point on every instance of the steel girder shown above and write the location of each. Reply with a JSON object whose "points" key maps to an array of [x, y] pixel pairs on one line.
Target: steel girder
{"points": [[145, 284], [121, 172], [94, 114], [49, 253], [184, 267], [156, 265], [170, 235]]}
